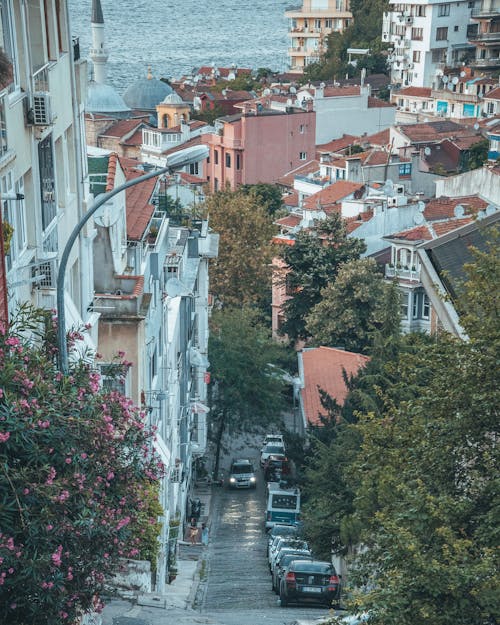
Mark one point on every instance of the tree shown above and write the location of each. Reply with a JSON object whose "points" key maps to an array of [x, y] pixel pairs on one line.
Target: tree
{"points": [[209, 115], [76, 478], [268, 195], [476, 156], [245, 388], [426, 481], [313, 262], [242, 273]]}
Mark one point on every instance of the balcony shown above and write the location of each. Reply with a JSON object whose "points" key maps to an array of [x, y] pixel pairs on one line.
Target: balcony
{"points": [[453, 96], [483, 12], [403, 273], [490, 63], [484, 37]]}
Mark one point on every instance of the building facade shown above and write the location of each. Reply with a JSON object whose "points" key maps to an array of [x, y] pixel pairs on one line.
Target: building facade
{"points": [[309, 26], [426, 36]]}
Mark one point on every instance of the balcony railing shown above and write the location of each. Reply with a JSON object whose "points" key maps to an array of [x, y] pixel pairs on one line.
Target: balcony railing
{"points": [[413, 274], [495, 62], [41, 78], [482, 12], [453, 96], [484, 36]]}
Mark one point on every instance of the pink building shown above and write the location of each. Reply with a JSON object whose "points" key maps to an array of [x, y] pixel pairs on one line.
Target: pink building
{"points": [[259, 144]]}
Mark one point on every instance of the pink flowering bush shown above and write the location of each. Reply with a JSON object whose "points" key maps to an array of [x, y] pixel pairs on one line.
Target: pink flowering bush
{"points": [[76, 480]]}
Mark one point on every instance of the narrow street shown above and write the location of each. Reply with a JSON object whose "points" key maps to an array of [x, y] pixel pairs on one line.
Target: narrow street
{"points": [[237, 585]]}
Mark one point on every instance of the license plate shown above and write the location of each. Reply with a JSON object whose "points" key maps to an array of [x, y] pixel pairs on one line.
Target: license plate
{"points": [[311, 589]]}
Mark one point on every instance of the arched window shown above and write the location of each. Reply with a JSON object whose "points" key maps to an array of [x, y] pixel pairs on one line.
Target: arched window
{"points": [[165, 121]]}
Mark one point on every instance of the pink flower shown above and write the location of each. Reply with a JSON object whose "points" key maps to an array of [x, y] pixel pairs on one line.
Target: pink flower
{"points": [[68, 461], [56, 556], [4, 437], [83, 456], [26, 491], [49, 527]]}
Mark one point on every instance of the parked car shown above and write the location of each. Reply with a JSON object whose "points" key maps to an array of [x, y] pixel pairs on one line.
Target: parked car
{"points": [[310, 582], [271, 449], [284, 558], [286, 543], [274, 439], [276, 468], [280, 530], [242, 474]]}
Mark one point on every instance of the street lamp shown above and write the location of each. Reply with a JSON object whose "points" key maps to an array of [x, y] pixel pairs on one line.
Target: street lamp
{"points": [[174, 161]]}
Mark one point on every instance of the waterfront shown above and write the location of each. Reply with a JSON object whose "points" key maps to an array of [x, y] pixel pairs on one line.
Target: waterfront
{"points": [[175, 36]]}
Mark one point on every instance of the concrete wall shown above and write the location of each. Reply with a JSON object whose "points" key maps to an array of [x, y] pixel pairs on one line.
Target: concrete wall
{"points": [[482, 181]]}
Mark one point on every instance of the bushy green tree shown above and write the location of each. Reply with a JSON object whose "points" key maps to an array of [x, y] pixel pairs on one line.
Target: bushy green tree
{"points": [[246, 388], [313, 262], [76, 475], [242, 272], [351, 308], [269, 195]]}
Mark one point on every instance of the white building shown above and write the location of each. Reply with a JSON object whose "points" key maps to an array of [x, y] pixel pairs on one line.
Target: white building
{"points": [[346, 110], [41, 164], [426, 36]]}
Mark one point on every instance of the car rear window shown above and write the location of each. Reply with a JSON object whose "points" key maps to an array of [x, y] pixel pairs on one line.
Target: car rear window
{"points": [[274, 449], [314, 567], [287, 502], [288, 557], [283, 530], [242, 468]]}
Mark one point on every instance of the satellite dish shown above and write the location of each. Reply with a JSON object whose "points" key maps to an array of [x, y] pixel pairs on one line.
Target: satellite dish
{"points": [[445, 79], [490, 209], [427, 151], [459, 211], [476, 126], [421, 206], [175, 288], [293, 90], [450, 86], [454, 80], [266, 92], [388, 187], [481, 215], [463, 74], [107, 215], [418, 218], [322, 85]]}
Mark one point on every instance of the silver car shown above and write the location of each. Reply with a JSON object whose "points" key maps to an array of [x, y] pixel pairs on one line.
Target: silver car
{"points": [[242, 474]]}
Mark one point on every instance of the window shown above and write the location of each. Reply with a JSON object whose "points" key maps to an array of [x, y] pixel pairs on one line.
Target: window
{"points": [[302, 156], [415, 305], [426, 308], [194, 169], [339, 5], [404, 170], [442, 33], [420, 11], [317, 24], [7, 37], [228, 160], [416, 56], [302, 129], [3, 128], [471, 5], [455, 28], [47, 181], [439, 55], [238, 161], [404, 305], [328, 22], [490, 108], [216, 157], [153, 365], [114, 380], [14, 213], [417, 34], [443, 10]]}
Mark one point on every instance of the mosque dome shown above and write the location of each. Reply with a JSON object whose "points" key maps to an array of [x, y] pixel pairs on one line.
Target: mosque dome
{"points": [[173, 98], [105, 99], [146, 93]]}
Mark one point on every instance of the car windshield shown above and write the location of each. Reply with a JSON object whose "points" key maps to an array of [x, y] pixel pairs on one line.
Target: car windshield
{"points": [[286, 502], [242, 468], [286, 558], [273, 449], [314, 567], [292, 543]]}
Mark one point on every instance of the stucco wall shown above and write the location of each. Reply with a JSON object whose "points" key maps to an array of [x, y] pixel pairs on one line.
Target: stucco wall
{"points": [[482, 181]]}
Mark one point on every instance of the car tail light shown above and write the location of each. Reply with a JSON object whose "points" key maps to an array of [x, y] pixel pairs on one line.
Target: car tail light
{"points": [[290, 578], [333, 579]]}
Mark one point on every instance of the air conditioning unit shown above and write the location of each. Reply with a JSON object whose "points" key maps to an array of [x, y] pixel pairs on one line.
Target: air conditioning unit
{"points": [[408, 20], [41, 111]]}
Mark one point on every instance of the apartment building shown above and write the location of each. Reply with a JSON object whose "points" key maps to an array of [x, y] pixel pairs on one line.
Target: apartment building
{"points": [[42, 173], [310, 23], [426, 37], [484, 34]]}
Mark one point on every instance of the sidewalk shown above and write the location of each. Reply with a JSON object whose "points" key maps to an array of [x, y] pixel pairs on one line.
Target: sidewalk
{"points": [[178, 596]]}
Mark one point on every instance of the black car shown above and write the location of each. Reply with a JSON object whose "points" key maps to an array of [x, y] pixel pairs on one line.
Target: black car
{"points": [[310, 582], [284, 559]]}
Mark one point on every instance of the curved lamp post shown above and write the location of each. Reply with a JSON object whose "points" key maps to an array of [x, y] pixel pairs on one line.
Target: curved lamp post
{"points": [[174, 161]]}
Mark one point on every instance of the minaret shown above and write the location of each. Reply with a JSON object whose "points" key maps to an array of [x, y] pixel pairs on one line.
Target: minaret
{"points": [[98, 52]]}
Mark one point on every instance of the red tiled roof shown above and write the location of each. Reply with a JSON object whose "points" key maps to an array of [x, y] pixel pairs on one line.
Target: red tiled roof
{"points": [[419, 233], [302, 170], [187, 144], [379, 138], [434, 131], [494, 94], [135, 139], [335, 92], [324, 368], [139, 210], [292, 199], [415, 92], [337, 144], [122, 127], [377, 103], [443, 227], [331, 195], [190, 178], [224, 71], [290, 221], [352, 223], [110, 179], [443, 207]]}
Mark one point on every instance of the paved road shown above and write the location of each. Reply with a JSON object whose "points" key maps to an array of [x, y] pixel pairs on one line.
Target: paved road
{"points": [[237, 590]]}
